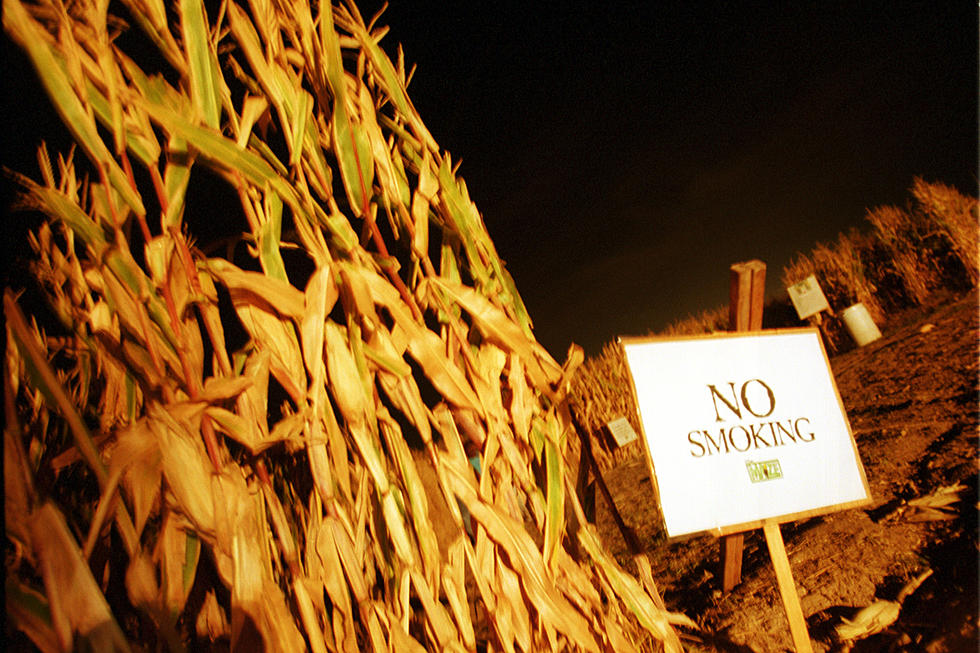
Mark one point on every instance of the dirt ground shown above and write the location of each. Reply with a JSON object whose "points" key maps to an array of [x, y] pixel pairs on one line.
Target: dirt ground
{"points": [[912, 401]]}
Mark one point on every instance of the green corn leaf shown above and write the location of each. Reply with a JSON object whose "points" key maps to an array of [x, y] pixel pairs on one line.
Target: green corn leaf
{"points": [[555, 520], [225, 154], [354, 156], [151, 16], [176, 178], [393, 84], [141, 142], [60, 207], [269, 235], [202, 65], [351, 143], [55, 80]]}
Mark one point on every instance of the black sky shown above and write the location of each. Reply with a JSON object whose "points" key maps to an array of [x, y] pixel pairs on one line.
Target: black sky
{"points": [[624, 154]]}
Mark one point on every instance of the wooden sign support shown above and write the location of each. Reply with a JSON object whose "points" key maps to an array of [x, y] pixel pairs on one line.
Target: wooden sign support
{"points": [[787, 588], [747, 291]]}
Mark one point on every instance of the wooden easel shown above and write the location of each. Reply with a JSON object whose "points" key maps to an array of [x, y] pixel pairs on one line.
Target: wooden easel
{"points": [[747, 283]]}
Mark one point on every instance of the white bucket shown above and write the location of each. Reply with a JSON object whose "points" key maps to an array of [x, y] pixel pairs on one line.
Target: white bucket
{"points": [[860, 325]]}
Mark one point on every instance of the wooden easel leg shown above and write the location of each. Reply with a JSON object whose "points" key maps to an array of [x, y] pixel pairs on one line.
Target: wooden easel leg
{"points": [[731, 560], [787, 588]]}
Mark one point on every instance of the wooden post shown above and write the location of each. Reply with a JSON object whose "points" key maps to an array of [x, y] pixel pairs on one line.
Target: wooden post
{"points": [[787, 588], [747, 292]]}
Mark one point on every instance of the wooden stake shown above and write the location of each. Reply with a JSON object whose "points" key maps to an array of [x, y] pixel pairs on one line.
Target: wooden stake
{"points": [[787, 588], [747, 292]]}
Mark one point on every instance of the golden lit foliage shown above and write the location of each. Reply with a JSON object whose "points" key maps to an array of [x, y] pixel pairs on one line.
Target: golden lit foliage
{"points": [[284, 435]]}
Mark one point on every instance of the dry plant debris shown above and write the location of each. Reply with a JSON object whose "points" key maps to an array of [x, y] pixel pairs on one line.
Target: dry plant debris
{"points": [[937, 505], [232, 448], [879, 615]]}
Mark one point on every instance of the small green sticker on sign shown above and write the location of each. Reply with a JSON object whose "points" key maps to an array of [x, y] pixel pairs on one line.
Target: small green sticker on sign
{"points": [[766, 470]]}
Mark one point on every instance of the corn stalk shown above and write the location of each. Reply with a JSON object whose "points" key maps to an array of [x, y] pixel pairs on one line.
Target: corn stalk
{"points": [[309, 482]]}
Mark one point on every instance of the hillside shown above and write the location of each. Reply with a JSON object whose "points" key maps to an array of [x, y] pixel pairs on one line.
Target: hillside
{"points": [[911, 399]]}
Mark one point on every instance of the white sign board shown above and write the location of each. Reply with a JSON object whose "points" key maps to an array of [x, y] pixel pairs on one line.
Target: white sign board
{"points": [[807, 297], [744, 428], [621, 431]]}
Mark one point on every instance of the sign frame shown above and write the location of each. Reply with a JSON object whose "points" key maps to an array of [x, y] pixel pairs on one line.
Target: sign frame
{"points": [[748, 524]]}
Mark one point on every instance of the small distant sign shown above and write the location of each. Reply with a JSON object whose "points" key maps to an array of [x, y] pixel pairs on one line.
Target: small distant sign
{"points": [[743, 429], [621, 431], [807, 297]]}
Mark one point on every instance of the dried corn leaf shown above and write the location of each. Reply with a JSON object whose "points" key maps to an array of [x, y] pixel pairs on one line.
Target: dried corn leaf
{"points": [[500, 329], [18, 480], [28, 610], [256, 600], [211, 619], [359, 555], [178, 552], [78, 608], [869, 620], [279, 338], [510, 535], [937, 506], [136, 456], [258, 290]]}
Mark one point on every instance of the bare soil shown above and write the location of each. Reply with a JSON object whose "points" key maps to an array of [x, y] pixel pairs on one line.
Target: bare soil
{"points": [[912, 401]]}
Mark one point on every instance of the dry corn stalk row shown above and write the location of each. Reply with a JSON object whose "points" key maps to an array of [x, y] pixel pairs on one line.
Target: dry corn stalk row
{"points": [[956, 217], [898, 230], [599, 395], [843, 276], [707, 322], [293, 463]]}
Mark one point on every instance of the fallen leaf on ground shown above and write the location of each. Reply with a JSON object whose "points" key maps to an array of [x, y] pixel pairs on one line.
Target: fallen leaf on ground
{"points": [[879, 615], [937, 505]]}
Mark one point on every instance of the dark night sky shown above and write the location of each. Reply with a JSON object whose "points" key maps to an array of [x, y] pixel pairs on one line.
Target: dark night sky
{"points": [[624, 154]]}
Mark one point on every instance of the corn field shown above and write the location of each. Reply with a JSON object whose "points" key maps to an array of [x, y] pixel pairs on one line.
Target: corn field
{"points": [[343, 436], [909, 253]]}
